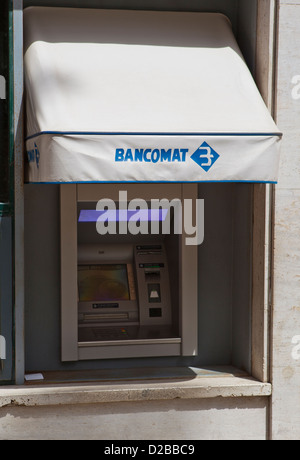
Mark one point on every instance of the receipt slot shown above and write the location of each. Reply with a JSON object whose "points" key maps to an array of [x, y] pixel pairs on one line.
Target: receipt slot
{"points": [[126, 293]]}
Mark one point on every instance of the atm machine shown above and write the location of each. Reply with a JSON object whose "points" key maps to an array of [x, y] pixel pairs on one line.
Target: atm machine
{"points": [[125, 115], [123, 292], [127, 295]]}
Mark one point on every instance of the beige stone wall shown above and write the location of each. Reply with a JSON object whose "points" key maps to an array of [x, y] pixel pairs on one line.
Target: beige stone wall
{"points": [[285, 414], [215, 419]]}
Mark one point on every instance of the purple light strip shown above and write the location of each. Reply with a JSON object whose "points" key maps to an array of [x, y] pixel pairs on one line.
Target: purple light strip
{"points": [[142, 215]]}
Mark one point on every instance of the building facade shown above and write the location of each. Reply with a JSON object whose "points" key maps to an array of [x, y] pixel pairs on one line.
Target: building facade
{"points": [[243, 383]]}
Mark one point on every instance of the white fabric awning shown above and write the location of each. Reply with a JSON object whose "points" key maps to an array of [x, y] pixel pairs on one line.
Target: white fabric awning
{"points": [[133, 96]]}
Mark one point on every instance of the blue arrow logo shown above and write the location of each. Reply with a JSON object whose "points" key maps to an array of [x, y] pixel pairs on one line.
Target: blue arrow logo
{"points": [[205, 156]]}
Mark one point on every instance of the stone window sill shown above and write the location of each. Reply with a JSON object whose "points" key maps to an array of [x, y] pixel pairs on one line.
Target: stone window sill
{"points": [[203, 385]]}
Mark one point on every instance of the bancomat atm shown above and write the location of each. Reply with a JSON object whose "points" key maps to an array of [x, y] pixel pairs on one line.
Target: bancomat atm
{"points": [[126, 295]]}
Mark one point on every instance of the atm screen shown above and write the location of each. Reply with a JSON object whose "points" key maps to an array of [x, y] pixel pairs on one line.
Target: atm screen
{"points": [[103, 283]]}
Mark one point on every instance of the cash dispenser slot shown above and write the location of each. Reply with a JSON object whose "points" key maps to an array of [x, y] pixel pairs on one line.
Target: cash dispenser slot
{"points": [[102, 317]]}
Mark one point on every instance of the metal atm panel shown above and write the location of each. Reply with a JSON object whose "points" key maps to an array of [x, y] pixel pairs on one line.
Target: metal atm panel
{"points": [[122, 296]]}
